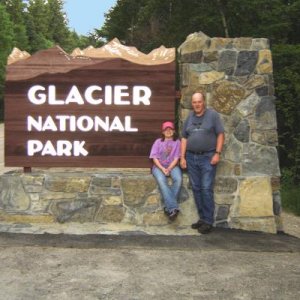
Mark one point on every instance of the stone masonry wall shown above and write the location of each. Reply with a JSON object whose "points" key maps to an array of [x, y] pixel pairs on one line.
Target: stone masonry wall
{"points": [[123, 199], [236, 77]]}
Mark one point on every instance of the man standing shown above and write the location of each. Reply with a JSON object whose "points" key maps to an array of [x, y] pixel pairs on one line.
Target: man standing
{"points": [[201, 146]]}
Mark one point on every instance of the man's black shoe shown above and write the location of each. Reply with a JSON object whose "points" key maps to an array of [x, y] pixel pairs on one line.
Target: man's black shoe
{"points": [[173, 214], [197, 225], [205, 228]]}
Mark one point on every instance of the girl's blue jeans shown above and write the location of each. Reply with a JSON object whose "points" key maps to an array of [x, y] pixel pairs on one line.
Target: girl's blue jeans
{"points": [[170, 193]]}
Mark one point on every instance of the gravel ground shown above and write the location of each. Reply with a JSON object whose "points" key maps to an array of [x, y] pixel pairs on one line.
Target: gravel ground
{"points": [[291, 224]]}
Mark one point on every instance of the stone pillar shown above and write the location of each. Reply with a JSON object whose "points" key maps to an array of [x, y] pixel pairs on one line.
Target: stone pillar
{"points": [[235, 74]]}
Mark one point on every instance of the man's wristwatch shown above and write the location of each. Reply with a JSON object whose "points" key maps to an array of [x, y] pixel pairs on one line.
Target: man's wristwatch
{"points": [[218, 152]]}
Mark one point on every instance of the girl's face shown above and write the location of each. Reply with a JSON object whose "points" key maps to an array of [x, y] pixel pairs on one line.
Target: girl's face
{"points": [[168, 133]]}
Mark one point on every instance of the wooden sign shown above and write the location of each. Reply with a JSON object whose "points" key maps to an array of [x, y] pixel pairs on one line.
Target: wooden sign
{"points": [[94, 108]]}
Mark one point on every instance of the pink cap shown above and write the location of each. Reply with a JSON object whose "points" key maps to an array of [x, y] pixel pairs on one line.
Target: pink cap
{"points": [[166, 125]]}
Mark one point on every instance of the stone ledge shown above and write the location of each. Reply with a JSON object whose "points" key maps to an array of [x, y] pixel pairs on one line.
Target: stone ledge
{"points": [[115, 200]]}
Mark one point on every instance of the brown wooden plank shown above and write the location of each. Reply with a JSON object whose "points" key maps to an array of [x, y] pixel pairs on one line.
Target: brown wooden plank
{"points": [[106, 149]]}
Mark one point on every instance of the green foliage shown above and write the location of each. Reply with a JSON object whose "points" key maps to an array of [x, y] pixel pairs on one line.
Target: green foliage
{"points": [[57, 27], [16, 10], [290, 198], [6, 38], [287, 85], [152, 23]]}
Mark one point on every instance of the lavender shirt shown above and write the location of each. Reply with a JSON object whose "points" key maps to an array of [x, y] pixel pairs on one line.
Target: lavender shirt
{"points": [[165, 151]]}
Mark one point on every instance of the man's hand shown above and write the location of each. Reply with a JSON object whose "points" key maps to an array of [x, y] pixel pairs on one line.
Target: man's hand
{"points": [[215, 159], [183, 163]]}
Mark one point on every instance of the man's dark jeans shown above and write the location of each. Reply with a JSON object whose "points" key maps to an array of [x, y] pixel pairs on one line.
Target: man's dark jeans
{"points": [[202, 175]]}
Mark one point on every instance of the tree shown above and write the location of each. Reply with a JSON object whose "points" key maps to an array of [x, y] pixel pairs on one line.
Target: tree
{"points": [[16, 10], [6, 38], [37, 25], [119, 23], [57, 27], [287, 84]]}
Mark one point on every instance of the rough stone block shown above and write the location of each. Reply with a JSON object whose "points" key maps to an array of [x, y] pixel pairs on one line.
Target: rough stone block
{"points": [[210, 56], [256, 197], [155, 219], [136, 190], [192, 57], [13, 197], [221, 199], [222, 212], [225, 185], [220, 43], [227, 62], [227, 95], [111, 213], [76, 210], [194, 42], [264, 63], [242, 131], [104, 181], [242, 43], [32, 179], [261, 160], [246, 63], [254, 224], [210, 77], [67, 184], [260, 43]]}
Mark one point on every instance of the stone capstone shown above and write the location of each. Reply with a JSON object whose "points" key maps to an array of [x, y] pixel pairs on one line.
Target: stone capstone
{"points": [[194, 42]]}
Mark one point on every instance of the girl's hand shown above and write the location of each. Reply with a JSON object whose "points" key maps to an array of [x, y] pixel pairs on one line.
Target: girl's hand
{"points": [[166, 171]]}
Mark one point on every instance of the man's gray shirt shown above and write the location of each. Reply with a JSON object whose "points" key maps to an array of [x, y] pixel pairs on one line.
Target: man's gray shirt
{"points": [[201, 132]]}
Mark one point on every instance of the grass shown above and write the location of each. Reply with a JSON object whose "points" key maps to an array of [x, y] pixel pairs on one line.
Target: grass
{"points": [[290, 198]]}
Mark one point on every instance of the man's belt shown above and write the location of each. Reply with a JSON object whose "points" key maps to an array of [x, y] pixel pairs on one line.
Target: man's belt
{"points": [[201, 152]]}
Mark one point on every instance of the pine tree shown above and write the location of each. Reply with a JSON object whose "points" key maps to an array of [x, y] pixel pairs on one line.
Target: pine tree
{"points": [[16, 10], [58, 30], [37, 25], [6, 38]]}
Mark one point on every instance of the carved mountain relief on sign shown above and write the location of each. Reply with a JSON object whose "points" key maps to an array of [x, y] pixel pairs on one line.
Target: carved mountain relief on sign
{"points": [[94, 108]]}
